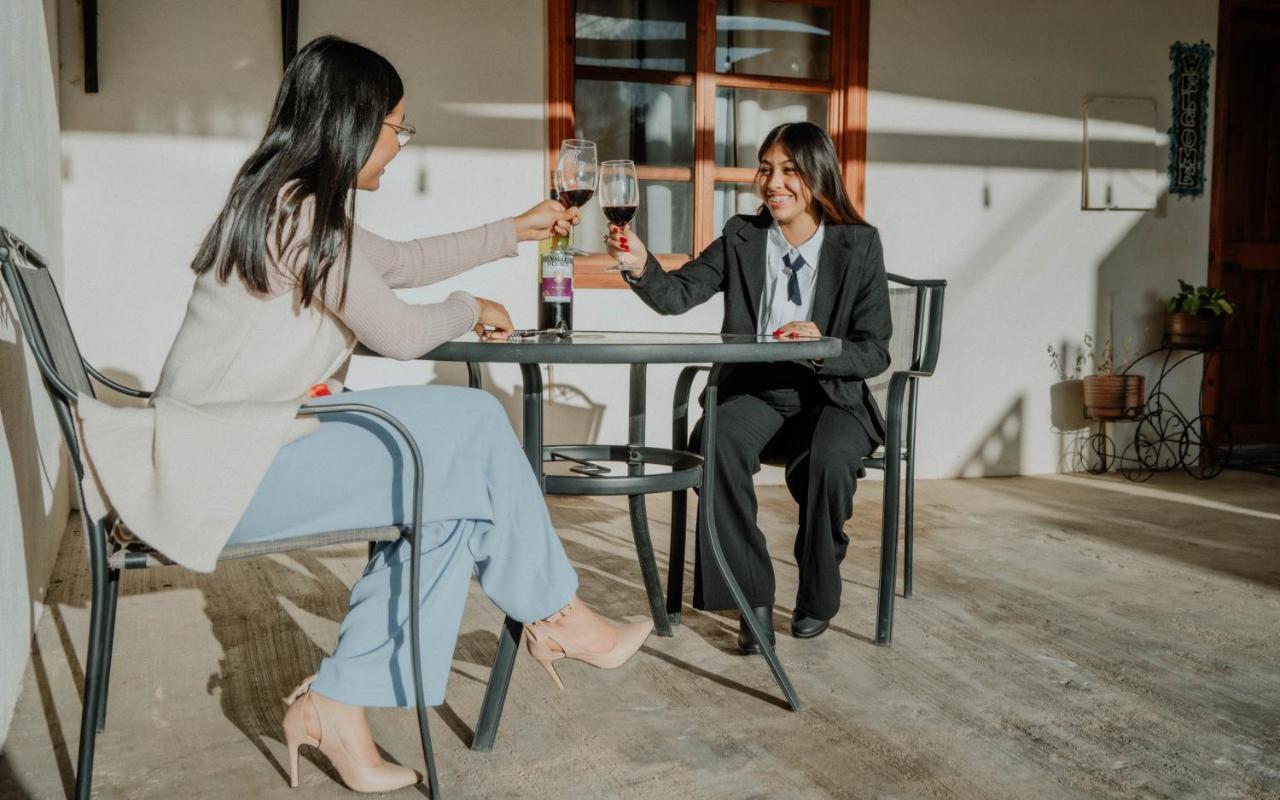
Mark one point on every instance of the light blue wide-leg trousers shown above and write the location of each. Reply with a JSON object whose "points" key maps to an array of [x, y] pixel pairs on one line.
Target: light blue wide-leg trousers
{"points": [[483, 513]]}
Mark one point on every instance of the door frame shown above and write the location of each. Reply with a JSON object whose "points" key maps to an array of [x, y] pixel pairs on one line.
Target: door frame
{"points": [[1217, 245]]}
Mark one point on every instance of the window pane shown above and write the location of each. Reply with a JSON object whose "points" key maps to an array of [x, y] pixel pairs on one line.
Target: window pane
{"points": [[646, 123], [744, 116], [664, 220], [636, 34], [758, 37], [734, 198]]}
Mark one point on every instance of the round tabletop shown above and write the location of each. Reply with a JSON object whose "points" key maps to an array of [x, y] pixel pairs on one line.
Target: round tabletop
{"points": [[635, 347]]}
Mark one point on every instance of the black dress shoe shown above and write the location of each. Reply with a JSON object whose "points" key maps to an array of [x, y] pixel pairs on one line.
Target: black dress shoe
{"points": [[746, 643], [803, 627]]}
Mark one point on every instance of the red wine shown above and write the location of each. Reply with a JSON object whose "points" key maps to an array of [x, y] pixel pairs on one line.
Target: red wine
{"points": [[550, 315], [619, 215], [576, 197]]}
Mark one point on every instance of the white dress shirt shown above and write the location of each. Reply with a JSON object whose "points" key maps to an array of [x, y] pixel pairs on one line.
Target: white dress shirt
{"points": [[776, 309]]}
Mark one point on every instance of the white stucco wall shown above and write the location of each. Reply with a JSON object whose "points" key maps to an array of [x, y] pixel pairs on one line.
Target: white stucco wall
{"points": [[987, 93], [962, 94], [33, 482]]}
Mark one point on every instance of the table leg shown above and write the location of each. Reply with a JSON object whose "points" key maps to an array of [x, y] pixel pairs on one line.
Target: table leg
{"points": [[495, 694], [635, 502], [705, 505]]}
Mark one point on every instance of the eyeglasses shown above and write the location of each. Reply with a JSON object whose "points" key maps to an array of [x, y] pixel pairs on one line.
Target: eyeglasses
{"points": [[403, 132]]}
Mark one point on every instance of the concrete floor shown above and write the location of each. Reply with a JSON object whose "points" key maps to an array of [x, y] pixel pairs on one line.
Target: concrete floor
{"points": [[1069, 637]]}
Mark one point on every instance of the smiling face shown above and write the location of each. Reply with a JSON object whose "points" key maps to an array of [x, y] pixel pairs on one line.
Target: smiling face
{"points": [[386, 148], [780, 186]]}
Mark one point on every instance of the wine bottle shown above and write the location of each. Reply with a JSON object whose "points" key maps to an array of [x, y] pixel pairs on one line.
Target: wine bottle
{"points": [[555, 281]]}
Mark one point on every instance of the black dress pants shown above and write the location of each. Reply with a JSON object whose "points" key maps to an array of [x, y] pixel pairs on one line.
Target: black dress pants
{"points": [[781, 416]]}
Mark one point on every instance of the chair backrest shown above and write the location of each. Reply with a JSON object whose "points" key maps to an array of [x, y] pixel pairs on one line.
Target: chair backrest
{"points": [[916, 309], [43, 320]]}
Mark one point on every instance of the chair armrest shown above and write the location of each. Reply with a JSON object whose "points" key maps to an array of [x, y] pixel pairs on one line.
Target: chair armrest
{"points": [[110, 384], [410, 442], [925, 282], [898, 382]]}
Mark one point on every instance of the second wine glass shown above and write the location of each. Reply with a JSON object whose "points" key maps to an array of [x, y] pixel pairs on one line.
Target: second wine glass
{"points": [[576, 176], [619, 194]]}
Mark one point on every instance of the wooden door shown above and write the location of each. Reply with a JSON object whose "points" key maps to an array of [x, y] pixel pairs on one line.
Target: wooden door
{"points": [[1244, 232]]}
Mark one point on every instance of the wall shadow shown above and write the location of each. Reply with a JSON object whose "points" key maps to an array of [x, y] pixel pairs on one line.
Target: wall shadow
{"points": [[1000, 451], [33, 478]]}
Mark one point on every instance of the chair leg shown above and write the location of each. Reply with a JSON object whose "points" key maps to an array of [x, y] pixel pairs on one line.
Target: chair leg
{"points": [[93, 677], [415, 641], [888, 550], [648, 564], [907, 521], [675, 562], [113, 595], [495, 694]]}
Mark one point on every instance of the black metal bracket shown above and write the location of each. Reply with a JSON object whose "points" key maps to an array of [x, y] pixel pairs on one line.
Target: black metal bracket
{"points": [[89, 18], [289, 30]]}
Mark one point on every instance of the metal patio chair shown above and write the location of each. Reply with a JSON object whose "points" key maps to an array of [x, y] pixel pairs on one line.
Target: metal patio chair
{"points": [[916, 308], [66, 376]]}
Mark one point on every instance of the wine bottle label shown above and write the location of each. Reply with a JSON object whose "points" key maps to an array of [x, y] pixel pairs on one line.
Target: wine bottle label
{"points": [[557, 290], [557, 277]]}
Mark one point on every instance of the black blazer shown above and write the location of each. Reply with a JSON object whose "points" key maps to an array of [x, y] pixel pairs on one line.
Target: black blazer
{"points": [[851, 302]]}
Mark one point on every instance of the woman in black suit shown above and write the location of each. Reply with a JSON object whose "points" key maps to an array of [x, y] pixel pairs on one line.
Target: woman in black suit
{"points": [[806, 265]]}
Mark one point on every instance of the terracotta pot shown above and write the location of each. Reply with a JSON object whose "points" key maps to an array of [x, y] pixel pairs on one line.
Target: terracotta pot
{"points": [[1113, 396], [1192, 331]]}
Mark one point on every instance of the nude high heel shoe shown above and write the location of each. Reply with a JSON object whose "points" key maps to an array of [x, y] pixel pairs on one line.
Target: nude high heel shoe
{"points": [[547, 645], [358, 777]]}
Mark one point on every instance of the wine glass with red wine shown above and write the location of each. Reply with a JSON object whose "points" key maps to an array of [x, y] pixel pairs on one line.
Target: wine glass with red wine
{"points": [[619, 194], [576, 177]]}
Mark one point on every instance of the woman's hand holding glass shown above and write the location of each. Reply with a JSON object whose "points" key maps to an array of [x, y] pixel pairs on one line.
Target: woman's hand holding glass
{"points": [[624, 245], [546, 219]]}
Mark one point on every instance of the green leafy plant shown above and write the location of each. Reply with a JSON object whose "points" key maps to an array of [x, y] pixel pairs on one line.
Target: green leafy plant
{"points": [[1200, 301]]}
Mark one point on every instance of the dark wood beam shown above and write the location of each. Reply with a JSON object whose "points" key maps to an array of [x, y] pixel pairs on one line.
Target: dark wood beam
{"points": [[289, 29], [90, 20]]}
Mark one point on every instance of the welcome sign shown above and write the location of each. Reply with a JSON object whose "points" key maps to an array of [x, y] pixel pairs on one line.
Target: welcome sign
{"points": [[1190, 80]]}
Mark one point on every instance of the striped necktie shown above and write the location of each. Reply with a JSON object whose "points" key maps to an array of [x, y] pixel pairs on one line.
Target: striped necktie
{"points": [[793, 283]]}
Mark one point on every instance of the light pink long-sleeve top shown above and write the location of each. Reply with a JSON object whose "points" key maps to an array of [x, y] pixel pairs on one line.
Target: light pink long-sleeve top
{"points": [[181, 471]]}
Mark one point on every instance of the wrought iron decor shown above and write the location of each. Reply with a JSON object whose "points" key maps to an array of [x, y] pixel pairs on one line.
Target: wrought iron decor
{"points": [[1190, 83]]}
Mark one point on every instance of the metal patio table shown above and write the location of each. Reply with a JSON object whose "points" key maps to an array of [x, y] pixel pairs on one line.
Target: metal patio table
{"points": [[687, 470]]}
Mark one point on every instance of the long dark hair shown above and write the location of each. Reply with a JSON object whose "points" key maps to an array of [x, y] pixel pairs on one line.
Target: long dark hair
{"points": [[327, 117], [815, 157]]}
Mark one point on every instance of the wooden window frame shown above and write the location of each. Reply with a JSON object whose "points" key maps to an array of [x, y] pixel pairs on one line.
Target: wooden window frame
{"points": [[846, 114]]}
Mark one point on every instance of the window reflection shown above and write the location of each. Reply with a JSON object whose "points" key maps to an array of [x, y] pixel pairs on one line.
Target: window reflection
{"points": [[734, 198], [744, 116], [635, 34], [758, 37], [664, 219], [647, 123]]}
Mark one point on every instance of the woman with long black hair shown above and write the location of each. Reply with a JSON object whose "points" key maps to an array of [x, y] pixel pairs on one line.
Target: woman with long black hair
{"points": [[286, 285], [805, 265]]}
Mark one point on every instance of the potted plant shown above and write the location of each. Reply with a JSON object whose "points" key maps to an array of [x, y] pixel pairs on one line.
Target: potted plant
{"points": [[1109, 395], [1195, 317]]}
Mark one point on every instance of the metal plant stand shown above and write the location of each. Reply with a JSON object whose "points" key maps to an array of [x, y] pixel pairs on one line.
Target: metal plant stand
{"points": [[1165, 437]]}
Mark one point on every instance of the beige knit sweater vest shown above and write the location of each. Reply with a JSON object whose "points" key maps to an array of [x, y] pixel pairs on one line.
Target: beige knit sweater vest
{"points": [[181, 471]]}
